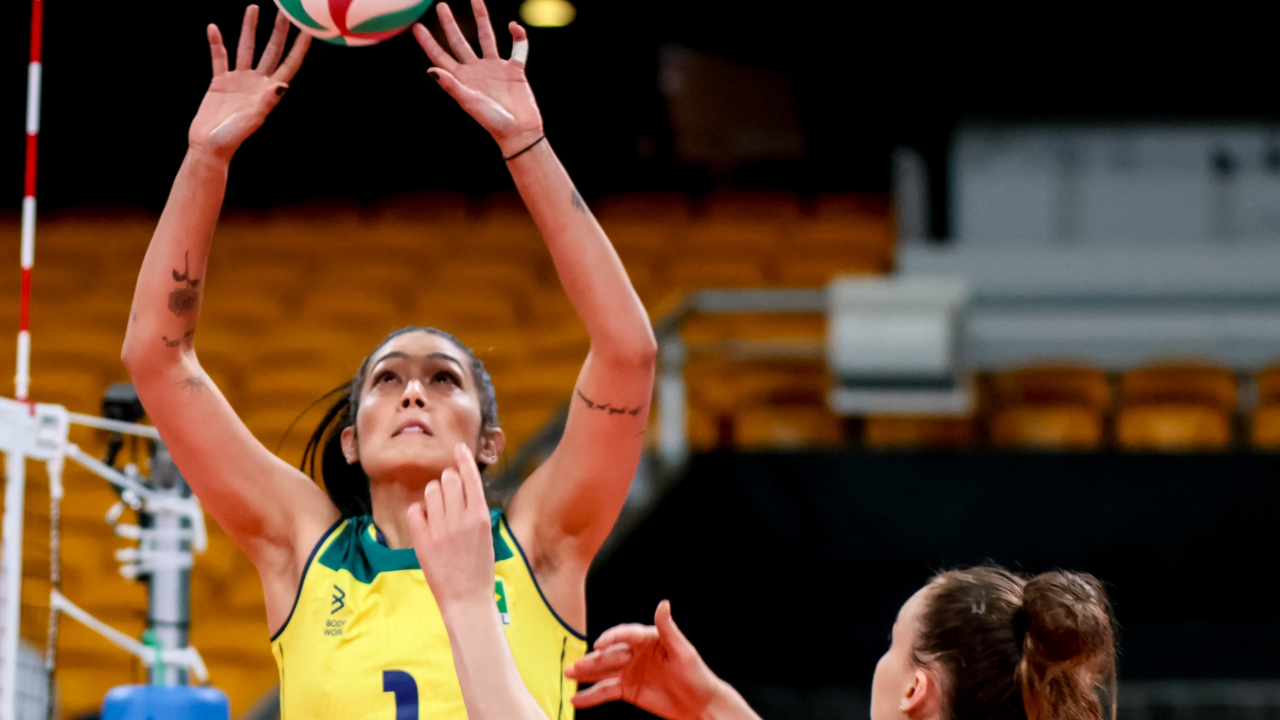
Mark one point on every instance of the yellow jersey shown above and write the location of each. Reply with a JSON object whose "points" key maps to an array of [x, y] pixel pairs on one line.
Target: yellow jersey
{"points": [[365, 639]]}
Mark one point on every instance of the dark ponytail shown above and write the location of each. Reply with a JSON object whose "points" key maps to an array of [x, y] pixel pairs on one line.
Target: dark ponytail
{"points": [[1069, 649], [347, 483], [1009, 648]]}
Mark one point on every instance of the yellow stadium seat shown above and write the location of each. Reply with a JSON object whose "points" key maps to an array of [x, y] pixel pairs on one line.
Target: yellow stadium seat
{"points": [[457, 312], [727, 270], [1182, 383], [886, 432], [1269, 385], [748, 205], [652, 207], [479, 274], [738, 237], [786, 426], [845, 206], [357, 308], [1052, 385], [1047, 427], [427, 207], [78, 390], [1265, 428], [1173, 428]]}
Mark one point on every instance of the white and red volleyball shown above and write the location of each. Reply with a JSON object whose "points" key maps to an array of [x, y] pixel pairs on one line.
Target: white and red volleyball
{"points": [[353, 22]]}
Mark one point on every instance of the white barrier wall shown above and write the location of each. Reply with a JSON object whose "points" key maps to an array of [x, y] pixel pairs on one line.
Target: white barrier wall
{"points": [[1109, 185]]}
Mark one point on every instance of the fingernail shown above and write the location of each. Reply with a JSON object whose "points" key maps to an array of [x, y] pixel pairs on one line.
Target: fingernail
{"points": [[434, 75], [280, 90]]}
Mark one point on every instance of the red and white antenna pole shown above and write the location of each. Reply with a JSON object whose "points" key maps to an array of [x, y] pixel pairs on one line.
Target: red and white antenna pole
{"points": [[22, 381], [14, 461]]}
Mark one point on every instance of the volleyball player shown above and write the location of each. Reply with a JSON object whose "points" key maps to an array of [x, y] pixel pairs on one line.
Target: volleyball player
{"points": [[356, 632], [975, 644]]}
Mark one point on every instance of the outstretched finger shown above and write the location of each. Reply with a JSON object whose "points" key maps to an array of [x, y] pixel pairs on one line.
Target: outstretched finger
{"points": [[435, 53], [601, 664], [457, 42], [244, 51], [465, 96], [598, 694], [275, 46], [668, 634], [633, 634], [484, 28], [290, 66], [217, 50], [519, 43]]}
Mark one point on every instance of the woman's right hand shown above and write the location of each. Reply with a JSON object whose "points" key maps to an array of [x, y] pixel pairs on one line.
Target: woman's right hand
{"points": [[238, 101], [657, 669]]}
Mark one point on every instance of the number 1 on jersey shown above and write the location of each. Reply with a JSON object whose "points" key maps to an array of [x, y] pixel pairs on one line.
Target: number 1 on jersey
{"points": [[405, 689]]}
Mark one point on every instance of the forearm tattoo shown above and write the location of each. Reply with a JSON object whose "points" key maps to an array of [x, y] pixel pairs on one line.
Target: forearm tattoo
{"points": [[185, 298], [577, 202], [607, 408], [177, 342]]}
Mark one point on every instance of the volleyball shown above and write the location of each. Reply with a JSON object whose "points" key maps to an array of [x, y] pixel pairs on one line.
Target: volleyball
{"points": [[353, 22]]}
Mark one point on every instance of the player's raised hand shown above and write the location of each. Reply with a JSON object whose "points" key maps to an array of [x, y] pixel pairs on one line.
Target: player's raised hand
{"points": [[238, 101], [653, 667], [493, 91], [452, 535]]}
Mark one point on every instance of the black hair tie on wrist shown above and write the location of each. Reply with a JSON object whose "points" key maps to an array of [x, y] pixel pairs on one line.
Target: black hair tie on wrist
{"points": [[527, 148]]}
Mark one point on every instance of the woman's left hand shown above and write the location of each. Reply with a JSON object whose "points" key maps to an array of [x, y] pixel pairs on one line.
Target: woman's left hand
{"points": [[493, 91], [452, 535]]}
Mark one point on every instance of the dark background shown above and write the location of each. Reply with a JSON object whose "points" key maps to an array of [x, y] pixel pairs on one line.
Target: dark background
{"points": [[122, 82], [787, 569]]}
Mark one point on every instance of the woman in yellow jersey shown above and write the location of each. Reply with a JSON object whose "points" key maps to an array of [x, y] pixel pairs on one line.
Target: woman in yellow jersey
{"points": [[355, 629]]}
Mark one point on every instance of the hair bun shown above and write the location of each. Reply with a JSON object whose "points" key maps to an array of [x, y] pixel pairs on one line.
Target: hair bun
{"points": [[1068, 619]]}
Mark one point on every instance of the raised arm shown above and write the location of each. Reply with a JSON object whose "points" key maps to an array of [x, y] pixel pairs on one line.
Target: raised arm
{"points": [[267, 507], [566, 509]]}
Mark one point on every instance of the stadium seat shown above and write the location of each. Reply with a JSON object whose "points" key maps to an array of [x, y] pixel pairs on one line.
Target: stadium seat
{"points": [[1173, 428], [433, 207], [1052, 385], [728, 269], [1183, 383], [1047, 427], [456, 311], [786, 427], [752, 206], [357, 308], [846, 206], [655, 208], [894, 432], [1265, 428], [1268, 382]]}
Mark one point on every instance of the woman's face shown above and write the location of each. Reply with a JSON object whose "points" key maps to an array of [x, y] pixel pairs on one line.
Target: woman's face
{"points": [[419, 399], [896, 674]]}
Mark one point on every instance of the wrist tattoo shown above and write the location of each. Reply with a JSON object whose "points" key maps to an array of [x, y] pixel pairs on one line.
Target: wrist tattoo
{"points": [[577, 202], [195, 382], [607, 408], [185, 298]]}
